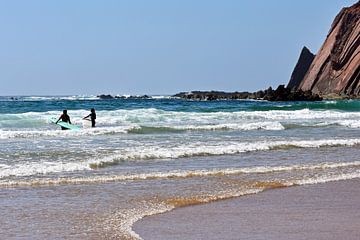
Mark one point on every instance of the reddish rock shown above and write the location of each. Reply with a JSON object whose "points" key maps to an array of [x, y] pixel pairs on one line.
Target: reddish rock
{"points": [[336, 67]]}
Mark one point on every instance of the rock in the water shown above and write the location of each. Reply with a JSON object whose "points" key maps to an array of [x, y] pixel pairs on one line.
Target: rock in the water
{"points": [[280, 94], [286, 94], [105, 96], [108, 96]]}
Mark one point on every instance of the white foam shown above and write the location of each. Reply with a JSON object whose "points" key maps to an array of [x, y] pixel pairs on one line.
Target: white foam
{"points": [[56, 98], [43, 168], [88, 131], [157, 152], [59, 133], [161, 97], [234, 126], [349, 123], [40, 168], [327, 178], [228, 171], [120, 223], [223, 148], [151, 117]]}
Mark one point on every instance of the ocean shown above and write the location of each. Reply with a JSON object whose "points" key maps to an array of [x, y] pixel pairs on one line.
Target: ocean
{"points": [[149, 156]]}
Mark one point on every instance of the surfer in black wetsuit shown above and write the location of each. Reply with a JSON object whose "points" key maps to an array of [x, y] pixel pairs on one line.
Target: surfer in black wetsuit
{"points": [[65, 118], [92, 116]]}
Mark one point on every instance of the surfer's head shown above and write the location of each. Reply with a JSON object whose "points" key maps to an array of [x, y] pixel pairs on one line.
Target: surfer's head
{"points": [[64, 111], [92, 110]]}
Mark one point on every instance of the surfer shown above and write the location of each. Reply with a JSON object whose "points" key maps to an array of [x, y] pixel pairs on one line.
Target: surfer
{"points": [[92, 116], [65, 118]]}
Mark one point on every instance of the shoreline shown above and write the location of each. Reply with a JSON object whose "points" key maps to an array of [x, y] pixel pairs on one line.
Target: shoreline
{"points": [[321, 211]]}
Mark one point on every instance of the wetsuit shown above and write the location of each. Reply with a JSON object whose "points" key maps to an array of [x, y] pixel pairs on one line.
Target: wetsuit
{"points": [[93, 117], [65, 118]]}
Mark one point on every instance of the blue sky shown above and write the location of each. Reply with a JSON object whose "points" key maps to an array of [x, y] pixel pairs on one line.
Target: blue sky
{"points": [[155, 47]]}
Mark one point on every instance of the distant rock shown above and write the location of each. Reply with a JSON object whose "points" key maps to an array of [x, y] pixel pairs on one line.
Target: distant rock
{"points": [[287, 94], [103, 96], [138, 97], [280, 94], [335, 69], [108, 96], [301, 67], [212, 95]]}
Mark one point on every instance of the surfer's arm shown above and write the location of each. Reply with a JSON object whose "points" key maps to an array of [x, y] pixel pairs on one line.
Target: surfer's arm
{"points": [[87, 116], [58, 120]]}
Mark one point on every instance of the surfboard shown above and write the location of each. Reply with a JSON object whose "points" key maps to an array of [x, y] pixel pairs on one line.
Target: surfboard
{"points": [[65, 124]]}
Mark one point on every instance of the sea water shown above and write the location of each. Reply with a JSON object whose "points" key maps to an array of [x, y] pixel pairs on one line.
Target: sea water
{"points": [[148, 156]]}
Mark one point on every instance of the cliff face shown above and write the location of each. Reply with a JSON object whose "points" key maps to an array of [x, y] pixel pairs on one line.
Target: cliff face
{"points": [[302, 66], [336, 67]]}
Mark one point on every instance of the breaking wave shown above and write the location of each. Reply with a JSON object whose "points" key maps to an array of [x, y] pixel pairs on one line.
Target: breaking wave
{"points": [[225, 148], [151, 120], [148, 153], [178, 174]]}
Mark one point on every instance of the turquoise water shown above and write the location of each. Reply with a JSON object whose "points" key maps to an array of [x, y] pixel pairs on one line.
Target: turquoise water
{"points": [[147, 156], [23, 104]]}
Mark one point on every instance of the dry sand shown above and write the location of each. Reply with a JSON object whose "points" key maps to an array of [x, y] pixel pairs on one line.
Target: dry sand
{"points": [[322, 211]]}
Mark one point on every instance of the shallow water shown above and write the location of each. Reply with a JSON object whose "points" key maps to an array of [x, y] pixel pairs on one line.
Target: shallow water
{"points": [[148, 156]]}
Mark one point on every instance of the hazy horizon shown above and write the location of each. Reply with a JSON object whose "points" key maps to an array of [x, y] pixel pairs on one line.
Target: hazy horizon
{"points": [[155, 48]]}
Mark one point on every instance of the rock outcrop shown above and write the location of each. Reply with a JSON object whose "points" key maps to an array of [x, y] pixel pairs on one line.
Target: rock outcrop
{"points": [[108, 96], [282, 93], [336, 67], [301, 68], [215, 95]]}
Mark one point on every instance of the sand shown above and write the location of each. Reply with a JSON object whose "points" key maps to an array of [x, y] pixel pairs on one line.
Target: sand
{"points": [[322, 211]]}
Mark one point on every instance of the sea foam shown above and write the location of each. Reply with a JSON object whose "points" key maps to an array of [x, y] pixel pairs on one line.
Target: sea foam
{"points": [[37, 124], [225, 148]]}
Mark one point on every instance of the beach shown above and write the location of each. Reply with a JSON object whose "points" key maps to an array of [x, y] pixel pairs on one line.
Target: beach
{"points": [[321, 211], [180, 120]]}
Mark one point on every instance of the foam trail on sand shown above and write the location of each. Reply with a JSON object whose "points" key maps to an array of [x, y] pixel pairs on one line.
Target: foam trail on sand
{"points": [[147, 209]]}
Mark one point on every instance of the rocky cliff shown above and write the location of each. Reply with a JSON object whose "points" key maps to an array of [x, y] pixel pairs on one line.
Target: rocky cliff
{"points": [[301, 68], [336, 67]]}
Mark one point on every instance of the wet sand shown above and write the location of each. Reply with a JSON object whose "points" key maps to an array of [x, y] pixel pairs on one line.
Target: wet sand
{"points": [[322, 211]]}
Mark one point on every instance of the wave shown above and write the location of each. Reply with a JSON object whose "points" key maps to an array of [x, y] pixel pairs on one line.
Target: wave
{"points": [[190, 150], [213, 127], [341, 105], [148, 129], [143, 129], [136, 129], [151, 114], [151, 120], [226, 148], [326, 123], [8, 134], [49, 98], [76, 97], [325, 179], [44, 168]]}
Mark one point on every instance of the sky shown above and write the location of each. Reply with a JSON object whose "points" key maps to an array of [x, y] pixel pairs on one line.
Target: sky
{"points": [[88, 47]]}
